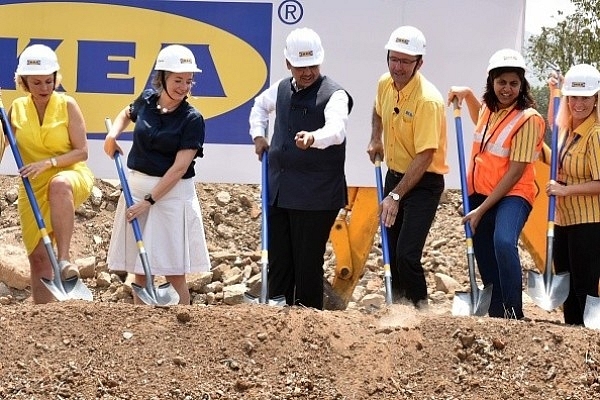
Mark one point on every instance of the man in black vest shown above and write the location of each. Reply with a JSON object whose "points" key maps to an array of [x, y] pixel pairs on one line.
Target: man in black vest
{"points": [[306, 180]]}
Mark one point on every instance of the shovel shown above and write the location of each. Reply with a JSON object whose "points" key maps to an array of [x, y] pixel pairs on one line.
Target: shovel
{"points": [[68, 289], [165, 294], [264, 238], [548, 290], [477, 302], [387, 273], [591, 312]]}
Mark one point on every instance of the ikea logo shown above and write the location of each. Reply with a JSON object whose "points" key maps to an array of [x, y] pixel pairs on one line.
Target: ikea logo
{"points": [[107, 53]]}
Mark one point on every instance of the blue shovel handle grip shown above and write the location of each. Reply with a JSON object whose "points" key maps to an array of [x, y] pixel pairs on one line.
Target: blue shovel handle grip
{"points": [[127, 194]]}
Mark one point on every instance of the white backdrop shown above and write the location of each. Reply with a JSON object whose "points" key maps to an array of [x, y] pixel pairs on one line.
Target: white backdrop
{"points": [[461, 35]]}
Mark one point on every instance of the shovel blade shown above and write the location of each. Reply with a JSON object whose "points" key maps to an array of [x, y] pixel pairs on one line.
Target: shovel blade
{"points": [[551, 295], [251, 299], [69, 289], [164, 295], [273, 301], [278, 301], [463, 306], [591, 312]]}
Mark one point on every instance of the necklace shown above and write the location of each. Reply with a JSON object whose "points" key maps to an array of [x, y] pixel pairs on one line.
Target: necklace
{"points": [[164, 110]]}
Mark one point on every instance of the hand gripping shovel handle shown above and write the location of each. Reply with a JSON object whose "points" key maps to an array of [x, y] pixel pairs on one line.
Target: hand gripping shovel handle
{"points": [[387, 273], [148, 294], [547, 290], [128, 198], [552, 198], [479, 300], [465, 196], [73, 289]]}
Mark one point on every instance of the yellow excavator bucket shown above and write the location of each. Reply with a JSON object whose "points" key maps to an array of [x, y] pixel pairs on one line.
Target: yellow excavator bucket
{"points": [[535, 231], [352, 237]]}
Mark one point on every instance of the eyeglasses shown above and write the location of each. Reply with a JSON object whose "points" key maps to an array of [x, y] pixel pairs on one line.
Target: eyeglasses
{"points": [[402, 61]]}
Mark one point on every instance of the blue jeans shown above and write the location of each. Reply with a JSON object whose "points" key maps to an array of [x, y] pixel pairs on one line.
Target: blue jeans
{"points": [[495, 243]]}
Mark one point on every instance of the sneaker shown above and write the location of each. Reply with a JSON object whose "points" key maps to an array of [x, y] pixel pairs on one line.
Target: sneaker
{"points": [[68, 270]]}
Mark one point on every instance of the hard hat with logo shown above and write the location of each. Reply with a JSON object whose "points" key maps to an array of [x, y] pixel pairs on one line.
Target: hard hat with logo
{"points": [[176, 58], [506, 58], [303, 48], [581, 80], [37, 59], [408, 40]]}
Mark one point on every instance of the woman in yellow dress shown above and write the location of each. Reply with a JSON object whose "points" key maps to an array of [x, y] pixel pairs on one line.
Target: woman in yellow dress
{"points": [[51, 137]]}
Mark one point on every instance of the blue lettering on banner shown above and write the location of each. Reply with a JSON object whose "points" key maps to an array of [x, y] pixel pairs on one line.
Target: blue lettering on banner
{"points": [[107, 52]]}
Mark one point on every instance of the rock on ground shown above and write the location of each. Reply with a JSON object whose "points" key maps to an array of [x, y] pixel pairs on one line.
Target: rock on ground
{"points": [[111, 349]]}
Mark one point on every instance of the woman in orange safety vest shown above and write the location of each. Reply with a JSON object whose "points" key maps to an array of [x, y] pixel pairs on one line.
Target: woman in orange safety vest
{"points": [[508, 138]]}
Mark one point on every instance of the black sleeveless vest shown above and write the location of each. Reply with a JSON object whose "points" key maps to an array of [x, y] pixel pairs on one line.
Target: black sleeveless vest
{"points": [[311, 179]]}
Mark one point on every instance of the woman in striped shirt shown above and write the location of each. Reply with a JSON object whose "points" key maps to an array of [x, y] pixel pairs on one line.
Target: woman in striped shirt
{"points": [[577, 189]]}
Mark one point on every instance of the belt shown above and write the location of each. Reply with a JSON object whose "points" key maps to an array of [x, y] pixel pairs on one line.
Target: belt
{"points": [[396, 173]]}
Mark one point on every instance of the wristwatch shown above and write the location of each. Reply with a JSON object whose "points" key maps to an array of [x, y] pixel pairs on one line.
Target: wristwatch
{"points": [[53, 162], [394, 196], [149, 199]]}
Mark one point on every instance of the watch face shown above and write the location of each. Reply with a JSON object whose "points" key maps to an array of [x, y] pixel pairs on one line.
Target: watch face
{"points": [[395, 196]]}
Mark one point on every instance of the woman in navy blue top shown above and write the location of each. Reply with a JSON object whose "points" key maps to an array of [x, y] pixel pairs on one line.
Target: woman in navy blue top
{"points": [[167, 137]]}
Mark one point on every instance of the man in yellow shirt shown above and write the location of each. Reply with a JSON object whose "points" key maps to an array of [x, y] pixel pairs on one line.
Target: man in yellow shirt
{"points": [[409, 132]]}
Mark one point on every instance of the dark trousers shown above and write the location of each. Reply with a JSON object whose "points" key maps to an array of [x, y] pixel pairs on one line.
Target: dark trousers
{"points": [[495, 243], [407, 236], [577, 251], [297, 241]]}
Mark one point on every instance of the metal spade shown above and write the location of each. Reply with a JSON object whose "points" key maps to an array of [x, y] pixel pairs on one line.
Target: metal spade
{"points": [[591, 312], [546, 289], [387, 273], [477, 302], [69, 289], [165, 294], [264, 237]]}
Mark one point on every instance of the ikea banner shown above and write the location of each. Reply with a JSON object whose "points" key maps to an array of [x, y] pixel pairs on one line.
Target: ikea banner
{"points": [[107, 51]]}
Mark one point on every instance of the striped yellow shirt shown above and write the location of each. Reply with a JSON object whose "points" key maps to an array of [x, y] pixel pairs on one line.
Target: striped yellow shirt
{"points": [[524, 142], [579, 162]]}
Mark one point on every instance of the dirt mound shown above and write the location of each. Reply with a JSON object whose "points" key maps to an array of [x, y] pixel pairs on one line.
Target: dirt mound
{"points": [[110, 349]]}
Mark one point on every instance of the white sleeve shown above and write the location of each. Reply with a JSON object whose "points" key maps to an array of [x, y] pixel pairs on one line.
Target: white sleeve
{"points": [[264, 104], [336, 119]]}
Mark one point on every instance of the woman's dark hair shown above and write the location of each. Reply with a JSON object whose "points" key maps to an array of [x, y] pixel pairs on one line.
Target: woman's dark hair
{"points": [[159, 80], [524, 99]]}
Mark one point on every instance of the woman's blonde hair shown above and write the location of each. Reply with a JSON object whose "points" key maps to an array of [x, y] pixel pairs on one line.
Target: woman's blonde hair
{"points": [[564, 116]]}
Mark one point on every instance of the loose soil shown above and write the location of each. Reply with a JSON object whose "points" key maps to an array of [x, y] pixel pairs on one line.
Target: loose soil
{"points": [[111, 349]]}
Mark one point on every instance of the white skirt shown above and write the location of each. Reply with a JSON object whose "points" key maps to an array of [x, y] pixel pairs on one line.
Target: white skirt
{"points": [[172, 231]]}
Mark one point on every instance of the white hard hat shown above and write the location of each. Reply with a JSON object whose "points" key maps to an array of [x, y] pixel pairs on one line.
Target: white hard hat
{"points": [[581, 80], [506, 58], [176, 58], [303, 48], [37, 59], [408, 40]]}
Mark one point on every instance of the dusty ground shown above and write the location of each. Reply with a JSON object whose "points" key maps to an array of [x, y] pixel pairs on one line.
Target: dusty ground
{"points": [[110, 349]]}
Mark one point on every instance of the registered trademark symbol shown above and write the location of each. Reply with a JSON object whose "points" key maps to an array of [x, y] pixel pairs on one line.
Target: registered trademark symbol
{"points": [[290, 12]]}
